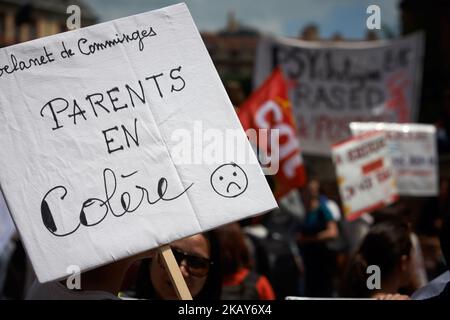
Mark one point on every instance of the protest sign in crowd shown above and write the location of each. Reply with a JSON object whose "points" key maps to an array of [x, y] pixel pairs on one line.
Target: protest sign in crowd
{"points": [[126, 171]]}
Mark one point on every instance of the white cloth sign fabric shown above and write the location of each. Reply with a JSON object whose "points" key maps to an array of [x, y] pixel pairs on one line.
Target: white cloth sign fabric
{"points": [[413, 151], [364, 173], [91, 123], [335, 83]]}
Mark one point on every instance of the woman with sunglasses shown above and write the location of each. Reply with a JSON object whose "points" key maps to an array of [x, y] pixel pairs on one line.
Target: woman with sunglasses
{"points": [[198, 258]]}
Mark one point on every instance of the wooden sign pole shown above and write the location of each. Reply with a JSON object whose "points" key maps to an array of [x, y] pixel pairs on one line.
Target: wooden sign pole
{"points": [[176, 277]]}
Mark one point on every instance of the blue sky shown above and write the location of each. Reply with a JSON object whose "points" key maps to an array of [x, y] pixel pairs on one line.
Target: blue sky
{"points": [[278, 17]]}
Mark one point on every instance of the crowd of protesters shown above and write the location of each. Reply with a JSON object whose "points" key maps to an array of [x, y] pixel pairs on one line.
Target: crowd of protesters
{"points": [[309, 250]]}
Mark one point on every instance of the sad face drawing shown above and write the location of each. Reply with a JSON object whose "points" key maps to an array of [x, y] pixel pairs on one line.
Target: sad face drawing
{"points": [[229, 180]]}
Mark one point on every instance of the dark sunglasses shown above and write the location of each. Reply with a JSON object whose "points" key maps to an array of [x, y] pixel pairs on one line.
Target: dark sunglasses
{"points": [[196, 266]]}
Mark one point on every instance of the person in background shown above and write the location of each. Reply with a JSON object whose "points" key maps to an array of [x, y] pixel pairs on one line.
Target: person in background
{"points": [[318, 228], [5, 255], [199, 259], [439, 288], [240, 282], [388, 246], [315, 190], [431, 217]]}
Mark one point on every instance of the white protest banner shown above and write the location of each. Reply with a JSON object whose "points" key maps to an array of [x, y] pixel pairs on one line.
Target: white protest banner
{"points": [[364, 173], [335, 83], [413, 151], [92, 123], [7, 228]]}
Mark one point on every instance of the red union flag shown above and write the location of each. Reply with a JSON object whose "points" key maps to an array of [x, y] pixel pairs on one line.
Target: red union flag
{"points": [[269, 108]]}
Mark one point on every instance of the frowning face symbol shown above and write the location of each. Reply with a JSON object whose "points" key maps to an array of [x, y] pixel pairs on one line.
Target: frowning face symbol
{"points": [[229, 180]]}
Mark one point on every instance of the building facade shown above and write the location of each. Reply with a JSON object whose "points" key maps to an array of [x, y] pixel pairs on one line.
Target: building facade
{"points": [[26, 20], [233, 51]]}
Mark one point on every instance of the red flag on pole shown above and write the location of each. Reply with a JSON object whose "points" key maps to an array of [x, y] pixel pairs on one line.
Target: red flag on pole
{"points": [[269, 108]]}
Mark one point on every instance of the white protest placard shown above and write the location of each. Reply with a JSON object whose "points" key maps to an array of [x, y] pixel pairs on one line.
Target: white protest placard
{"points": [[92, 124], [335, 83], [413, 151], [7, 228], [364, 173]]}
